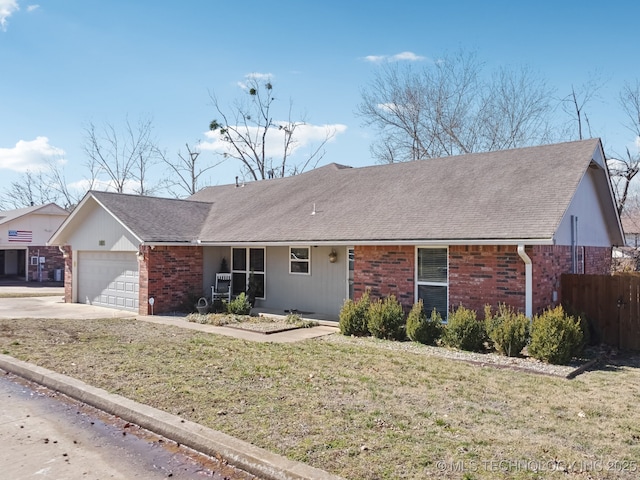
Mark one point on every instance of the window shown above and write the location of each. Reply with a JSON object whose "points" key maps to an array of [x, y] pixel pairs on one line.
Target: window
{"points": [[299, 260], [243, 277], [433, 280]]}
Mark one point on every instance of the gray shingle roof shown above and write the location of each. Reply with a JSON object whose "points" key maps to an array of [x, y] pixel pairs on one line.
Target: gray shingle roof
{"points": [[155, 219], [511, 194]]}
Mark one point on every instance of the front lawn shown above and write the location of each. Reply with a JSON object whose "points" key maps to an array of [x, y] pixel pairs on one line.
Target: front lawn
{"points": [[353, 407]]}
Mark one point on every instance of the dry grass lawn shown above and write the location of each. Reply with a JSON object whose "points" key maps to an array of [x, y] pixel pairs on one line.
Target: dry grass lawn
{"points": [[352, 408]]}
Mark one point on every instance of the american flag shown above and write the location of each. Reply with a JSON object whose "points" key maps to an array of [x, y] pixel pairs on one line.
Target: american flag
{"points": [[20, 235]]}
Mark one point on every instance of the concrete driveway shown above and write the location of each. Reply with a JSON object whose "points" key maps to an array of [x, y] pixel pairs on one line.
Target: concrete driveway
{"points": [[49, 306]]}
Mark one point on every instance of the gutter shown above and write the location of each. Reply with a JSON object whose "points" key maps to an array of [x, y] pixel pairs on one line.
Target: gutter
{"points": [[528, 281], [372, 242]]}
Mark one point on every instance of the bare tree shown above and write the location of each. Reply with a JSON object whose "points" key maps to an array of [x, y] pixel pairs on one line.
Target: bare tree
{"points": [[624, 168], [448, 108], [576, 102], [188, 171], [32, 188], [251, 134], [124, 157]]}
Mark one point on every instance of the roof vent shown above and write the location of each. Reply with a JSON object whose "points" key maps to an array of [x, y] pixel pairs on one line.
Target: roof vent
{"points": [[314, 209]]}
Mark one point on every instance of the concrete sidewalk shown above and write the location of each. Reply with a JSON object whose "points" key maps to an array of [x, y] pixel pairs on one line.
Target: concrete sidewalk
{"points": [[54, 307]]}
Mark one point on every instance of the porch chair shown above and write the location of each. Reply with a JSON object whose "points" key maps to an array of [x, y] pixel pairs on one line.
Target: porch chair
{"points": [[222, 289]]}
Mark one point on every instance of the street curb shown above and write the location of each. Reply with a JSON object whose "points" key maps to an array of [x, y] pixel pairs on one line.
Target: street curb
{"points": [[238, 453]]}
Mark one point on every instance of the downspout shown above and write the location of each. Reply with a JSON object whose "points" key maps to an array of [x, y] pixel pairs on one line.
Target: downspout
{"points": [[528, 282]]}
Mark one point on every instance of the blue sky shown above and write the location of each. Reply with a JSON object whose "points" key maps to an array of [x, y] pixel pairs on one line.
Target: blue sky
{"points": [[65, 63]]}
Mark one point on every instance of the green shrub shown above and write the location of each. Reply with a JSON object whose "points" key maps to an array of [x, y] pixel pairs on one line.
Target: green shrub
{"points": [[386, 319], [422, 329], [555, 336], [464, 331], [354, 315], [239, 305], [508, 330]]}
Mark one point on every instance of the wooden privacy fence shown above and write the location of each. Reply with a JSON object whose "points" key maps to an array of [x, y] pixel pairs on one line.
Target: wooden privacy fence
{"points": [[610, 302]]}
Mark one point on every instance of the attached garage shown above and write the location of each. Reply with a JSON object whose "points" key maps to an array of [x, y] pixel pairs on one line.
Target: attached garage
{"points": [[108, 279]]}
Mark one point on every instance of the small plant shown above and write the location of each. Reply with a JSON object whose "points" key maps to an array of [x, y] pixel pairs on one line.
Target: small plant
{"points": [[190, 302], [386, 319], [508, 330], [422, 329], [354, 316], [555, 336], [298, 321], [464, 331], [239, 305]]}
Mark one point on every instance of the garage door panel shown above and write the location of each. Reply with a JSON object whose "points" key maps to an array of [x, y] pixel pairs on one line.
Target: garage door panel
{"points": [[108, 279]]}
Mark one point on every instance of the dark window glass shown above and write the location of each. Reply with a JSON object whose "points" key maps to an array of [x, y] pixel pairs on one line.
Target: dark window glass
{"points": [[239, 259], [434, 297]]}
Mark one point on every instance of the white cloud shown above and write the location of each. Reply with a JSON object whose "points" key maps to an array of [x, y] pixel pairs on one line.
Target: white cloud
{"points": [[375, 58], [258, 77], [402, 56], [7, 8], [31, 155], [31, 8], [409, 56], [306, 135]]}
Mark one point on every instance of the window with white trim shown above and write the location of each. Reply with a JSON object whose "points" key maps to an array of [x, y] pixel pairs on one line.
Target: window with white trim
{"points": [[248, 264], [300, 260], [432, 279]]}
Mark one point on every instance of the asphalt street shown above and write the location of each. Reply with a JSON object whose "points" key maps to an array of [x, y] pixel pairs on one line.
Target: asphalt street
{"points": [[44, 434]]}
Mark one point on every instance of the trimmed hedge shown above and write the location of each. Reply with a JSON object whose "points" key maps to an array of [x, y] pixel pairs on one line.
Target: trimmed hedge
{"points": [[354, 316], [421, 328], [555, 336], [386, 319], [464, 331], [508, 330]]}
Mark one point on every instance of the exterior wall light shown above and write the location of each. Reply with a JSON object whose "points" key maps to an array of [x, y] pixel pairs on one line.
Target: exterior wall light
{"points": [[333, 256]]}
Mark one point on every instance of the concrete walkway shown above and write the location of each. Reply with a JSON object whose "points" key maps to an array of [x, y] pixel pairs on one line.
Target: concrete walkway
{"points": [[53, 306], [244, 455]]}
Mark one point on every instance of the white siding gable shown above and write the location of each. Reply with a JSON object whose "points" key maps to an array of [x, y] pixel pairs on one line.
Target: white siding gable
{"points": [[587, 206], [96, 226]]}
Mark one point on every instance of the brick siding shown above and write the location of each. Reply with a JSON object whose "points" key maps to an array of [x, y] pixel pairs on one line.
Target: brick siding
{"points": [[53, 261], [169, 275], [68, 274], [386, 270], [478, 275]]}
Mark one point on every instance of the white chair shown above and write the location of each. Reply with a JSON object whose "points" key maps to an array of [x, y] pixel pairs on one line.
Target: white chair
{"points": [[222, 289]]}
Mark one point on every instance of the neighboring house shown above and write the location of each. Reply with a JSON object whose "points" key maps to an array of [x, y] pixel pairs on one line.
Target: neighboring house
{"points": [[626, 257], [631, 226], [24, 253], [497, 227]]}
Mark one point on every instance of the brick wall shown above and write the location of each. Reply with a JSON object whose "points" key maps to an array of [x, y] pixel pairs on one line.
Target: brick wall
{"points": [[386, 270], [549, 263], [68, 274], [169, 275], [53, 261], [597, 260], [480, 275]]}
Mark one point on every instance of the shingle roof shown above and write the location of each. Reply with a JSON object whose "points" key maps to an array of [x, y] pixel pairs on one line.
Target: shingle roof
{"points": [[49, 208], [511, 194], [519, 194], [155, 219]]}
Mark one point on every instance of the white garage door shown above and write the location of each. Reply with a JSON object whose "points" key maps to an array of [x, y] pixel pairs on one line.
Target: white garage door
{"points": [[108, 279]]}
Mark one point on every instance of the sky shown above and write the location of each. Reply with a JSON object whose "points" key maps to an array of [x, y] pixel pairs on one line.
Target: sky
{"points": [[67, 63]]}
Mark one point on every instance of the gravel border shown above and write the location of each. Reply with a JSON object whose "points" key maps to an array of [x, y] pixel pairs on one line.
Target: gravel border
{"points": [[527, 364]]}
